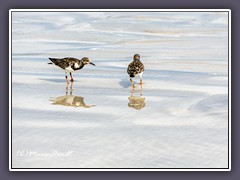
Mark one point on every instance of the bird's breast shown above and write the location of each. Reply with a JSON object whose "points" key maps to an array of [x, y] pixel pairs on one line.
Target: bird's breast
{"points": [[76, 66]]}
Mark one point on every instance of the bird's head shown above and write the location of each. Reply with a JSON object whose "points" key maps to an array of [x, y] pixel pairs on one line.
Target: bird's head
{"points": [[86, 60], [136, 57]]}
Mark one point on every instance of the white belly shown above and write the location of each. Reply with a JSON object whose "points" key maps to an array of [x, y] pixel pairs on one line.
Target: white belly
{"points": [[68, 70], [140, 75]]}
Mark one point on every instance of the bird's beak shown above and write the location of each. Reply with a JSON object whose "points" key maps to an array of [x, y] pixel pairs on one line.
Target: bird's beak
{"points": [[92, 64]]}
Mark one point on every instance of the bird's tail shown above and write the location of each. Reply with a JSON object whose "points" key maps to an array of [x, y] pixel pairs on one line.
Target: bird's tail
{"points": [[53, 60], [132, 75]]}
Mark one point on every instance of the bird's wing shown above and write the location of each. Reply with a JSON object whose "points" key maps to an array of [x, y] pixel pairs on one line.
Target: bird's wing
{"points": [[73, 62], [131, 68], [60, 62], [135, 67], [141, 66]]}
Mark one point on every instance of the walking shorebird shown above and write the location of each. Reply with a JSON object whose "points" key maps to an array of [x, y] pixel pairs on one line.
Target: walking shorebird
{"points": [[135, 68], [70, 65]]}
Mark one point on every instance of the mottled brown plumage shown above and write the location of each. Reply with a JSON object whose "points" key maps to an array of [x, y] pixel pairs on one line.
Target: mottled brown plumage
{"points": [[66, 62], [70, 64], [135, 68]]}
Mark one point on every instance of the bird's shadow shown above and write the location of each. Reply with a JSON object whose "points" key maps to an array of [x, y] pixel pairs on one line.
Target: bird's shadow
{"points": [[125, 83]]}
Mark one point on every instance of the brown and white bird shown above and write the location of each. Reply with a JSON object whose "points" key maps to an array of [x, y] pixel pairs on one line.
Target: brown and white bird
{"points": [[135, 68], [70, 65]]}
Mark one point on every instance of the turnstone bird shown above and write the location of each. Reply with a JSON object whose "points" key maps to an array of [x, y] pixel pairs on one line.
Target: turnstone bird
{"points": [[135, 68], [69, 64]]}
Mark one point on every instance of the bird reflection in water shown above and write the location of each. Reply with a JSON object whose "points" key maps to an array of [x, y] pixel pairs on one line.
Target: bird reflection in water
{"points": [[136, 102], [69, 99]]}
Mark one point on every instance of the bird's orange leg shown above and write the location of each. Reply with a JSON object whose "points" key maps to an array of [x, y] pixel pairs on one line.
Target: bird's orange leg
{"points": [[66, 79], [141, 83], [71, 77], [132, 83]]}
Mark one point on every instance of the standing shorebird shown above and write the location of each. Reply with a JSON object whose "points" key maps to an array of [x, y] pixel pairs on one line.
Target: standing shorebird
{"points": [[70, 65], [135, 68]]}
